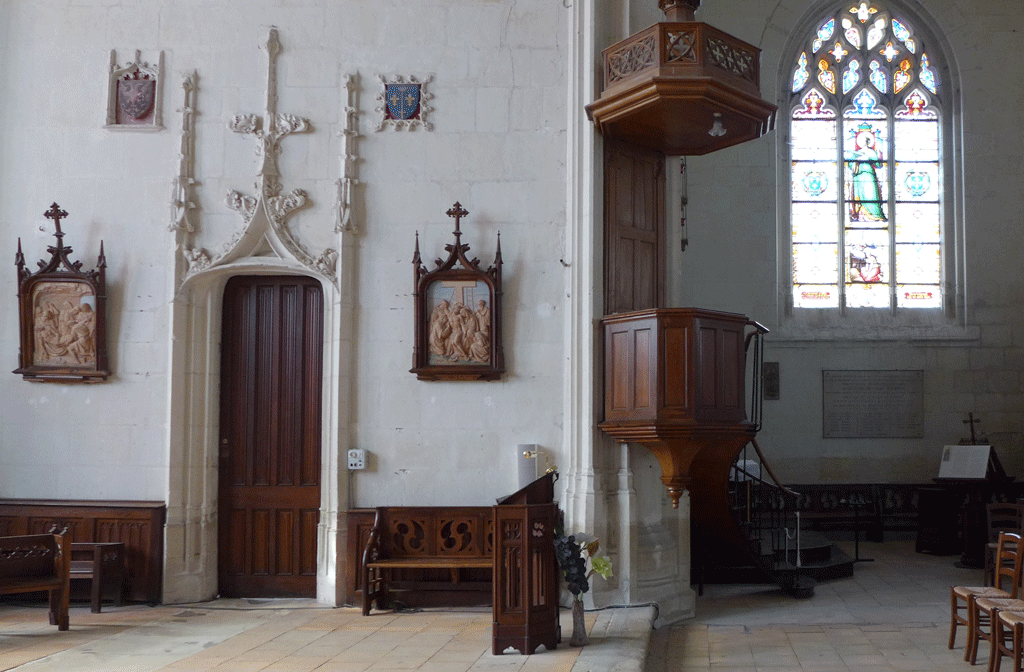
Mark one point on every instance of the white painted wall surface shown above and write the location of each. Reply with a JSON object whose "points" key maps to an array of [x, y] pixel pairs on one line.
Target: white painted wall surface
{"points": [[497, 147], [509, 80]]}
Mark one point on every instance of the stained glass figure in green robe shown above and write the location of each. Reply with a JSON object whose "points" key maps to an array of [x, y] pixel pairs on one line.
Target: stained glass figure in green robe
{"points": [[864, 162]]}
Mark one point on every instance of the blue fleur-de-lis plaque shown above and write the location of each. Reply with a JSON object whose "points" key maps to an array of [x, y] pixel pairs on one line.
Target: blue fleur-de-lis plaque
{"points": [[403, 101]]}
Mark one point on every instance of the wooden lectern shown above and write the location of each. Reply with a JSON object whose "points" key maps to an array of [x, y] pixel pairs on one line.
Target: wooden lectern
{"points": [[965, 486], [525, 569]]}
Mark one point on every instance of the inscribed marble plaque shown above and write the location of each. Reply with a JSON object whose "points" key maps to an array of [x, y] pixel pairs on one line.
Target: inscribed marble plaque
{"points": [[872, 404]]}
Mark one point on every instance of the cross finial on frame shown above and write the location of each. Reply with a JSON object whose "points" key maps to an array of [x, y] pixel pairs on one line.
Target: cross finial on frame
{"points": [[458, 212], [56, 214]]}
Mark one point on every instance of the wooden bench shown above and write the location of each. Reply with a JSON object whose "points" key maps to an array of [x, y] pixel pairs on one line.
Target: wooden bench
{"points": [[34, 563], [418, 538], [103, 565]]}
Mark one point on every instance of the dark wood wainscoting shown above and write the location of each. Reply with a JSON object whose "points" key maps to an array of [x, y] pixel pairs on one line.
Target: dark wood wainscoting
{"points": [[139, 525]]}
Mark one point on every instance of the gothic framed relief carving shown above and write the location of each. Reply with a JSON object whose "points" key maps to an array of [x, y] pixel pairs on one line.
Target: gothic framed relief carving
{"points": [[458, 314], [62, 315], [135, 94]]}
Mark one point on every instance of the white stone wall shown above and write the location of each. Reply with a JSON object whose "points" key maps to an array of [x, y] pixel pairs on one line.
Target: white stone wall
{"points": [[497, 147]]}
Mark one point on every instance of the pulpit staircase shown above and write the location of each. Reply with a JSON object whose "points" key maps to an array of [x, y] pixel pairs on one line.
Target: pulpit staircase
{"points": [[763, 537]]}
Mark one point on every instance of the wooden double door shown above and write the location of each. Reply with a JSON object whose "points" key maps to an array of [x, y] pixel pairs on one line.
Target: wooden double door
{"points": [[270, 435]]}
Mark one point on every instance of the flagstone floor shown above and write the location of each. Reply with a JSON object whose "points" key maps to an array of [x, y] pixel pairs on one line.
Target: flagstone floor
{"points": [[266, 635], [893, 614]]}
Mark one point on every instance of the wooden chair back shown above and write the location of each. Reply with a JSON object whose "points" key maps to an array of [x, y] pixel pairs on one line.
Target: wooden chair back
{"points": [[1004, 518], [1008, 561]]}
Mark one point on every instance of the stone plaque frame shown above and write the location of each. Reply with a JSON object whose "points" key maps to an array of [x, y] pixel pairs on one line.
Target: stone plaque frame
{"points": [[135, 94], [62, 315], [872, 404], [401, 116], [456, 340]]}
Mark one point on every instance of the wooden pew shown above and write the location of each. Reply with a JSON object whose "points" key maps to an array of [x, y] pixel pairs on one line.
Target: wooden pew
{"points": [[100, 564], [411, 539], [38, 562]]}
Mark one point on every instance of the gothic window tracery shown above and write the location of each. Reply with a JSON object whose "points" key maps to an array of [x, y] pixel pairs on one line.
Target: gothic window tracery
{"points": [[866, 215]]}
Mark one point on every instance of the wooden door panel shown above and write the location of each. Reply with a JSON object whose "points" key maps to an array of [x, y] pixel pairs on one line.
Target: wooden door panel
{"points": [[270, 436], [634, 208]]}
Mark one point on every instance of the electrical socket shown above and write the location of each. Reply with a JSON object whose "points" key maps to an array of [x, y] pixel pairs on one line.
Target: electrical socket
{"points": [[357, 458]]}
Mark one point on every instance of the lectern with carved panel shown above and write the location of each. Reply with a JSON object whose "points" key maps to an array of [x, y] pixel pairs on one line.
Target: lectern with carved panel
{"points": [[526, 572]]}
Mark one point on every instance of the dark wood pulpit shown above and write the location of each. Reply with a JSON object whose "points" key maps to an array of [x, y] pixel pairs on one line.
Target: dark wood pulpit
{"points": [[674, 382], [526, 575]]}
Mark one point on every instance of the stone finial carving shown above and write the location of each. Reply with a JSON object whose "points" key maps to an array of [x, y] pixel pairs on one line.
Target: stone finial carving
{"points": [[404, 102], [349, 170], [135, 94], [264, 230], [183, 200]]}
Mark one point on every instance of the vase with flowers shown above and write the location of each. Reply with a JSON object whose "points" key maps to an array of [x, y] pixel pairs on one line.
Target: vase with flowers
{"points": [[578, 560]]}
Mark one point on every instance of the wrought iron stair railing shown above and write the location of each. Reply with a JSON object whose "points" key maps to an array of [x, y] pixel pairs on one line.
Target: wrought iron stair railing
{"points": [[767, 513]]}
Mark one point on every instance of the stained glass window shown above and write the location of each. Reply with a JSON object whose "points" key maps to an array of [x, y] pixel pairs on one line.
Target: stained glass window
{"points": [[824, 32], [852, 33], [800, 75], [838, 52], [851, 75], [826, 76], [865, 165], [927, 74], [876, 32], [878, 77]]}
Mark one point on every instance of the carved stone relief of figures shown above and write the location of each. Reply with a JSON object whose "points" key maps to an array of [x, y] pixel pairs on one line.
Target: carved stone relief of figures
{"points": [[65, 324], [458, 334], [458, 314], [62, 315]]}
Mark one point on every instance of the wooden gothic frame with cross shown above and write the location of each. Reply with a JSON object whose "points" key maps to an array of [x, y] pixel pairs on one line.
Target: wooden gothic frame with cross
{"points": [[458, 314], [62, 311]]}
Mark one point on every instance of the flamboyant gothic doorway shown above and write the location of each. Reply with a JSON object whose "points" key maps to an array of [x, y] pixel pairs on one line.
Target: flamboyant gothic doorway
{"points": [[270, 435]]}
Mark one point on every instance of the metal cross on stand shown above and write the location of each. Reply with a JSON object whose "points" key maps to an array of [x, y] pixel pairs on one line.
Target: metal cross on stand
{"points": [[970, 421]]}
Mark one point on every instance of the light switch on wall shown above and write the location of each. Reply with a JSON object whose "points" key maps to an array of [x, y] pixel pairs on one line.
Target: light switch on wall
{"points": [[357, 458]]}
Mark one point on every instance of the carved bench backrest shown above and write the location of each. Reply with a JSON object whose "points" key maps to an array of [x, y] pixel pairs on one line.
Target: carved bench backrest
{"points": [[28, 556], [436, 531]]}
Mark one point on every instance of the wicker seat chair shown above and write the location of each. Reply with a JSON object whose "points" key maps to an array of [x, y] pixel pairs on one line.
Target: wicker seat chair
{"points": [[982, 609], [1000, 517], [961, 596], [1007, 639]]}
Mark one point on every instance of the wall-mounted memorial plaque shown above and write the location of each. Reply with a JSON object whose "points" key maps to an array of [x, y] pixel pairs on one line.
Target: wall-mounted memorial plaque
{"points": [[872, 404]]}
